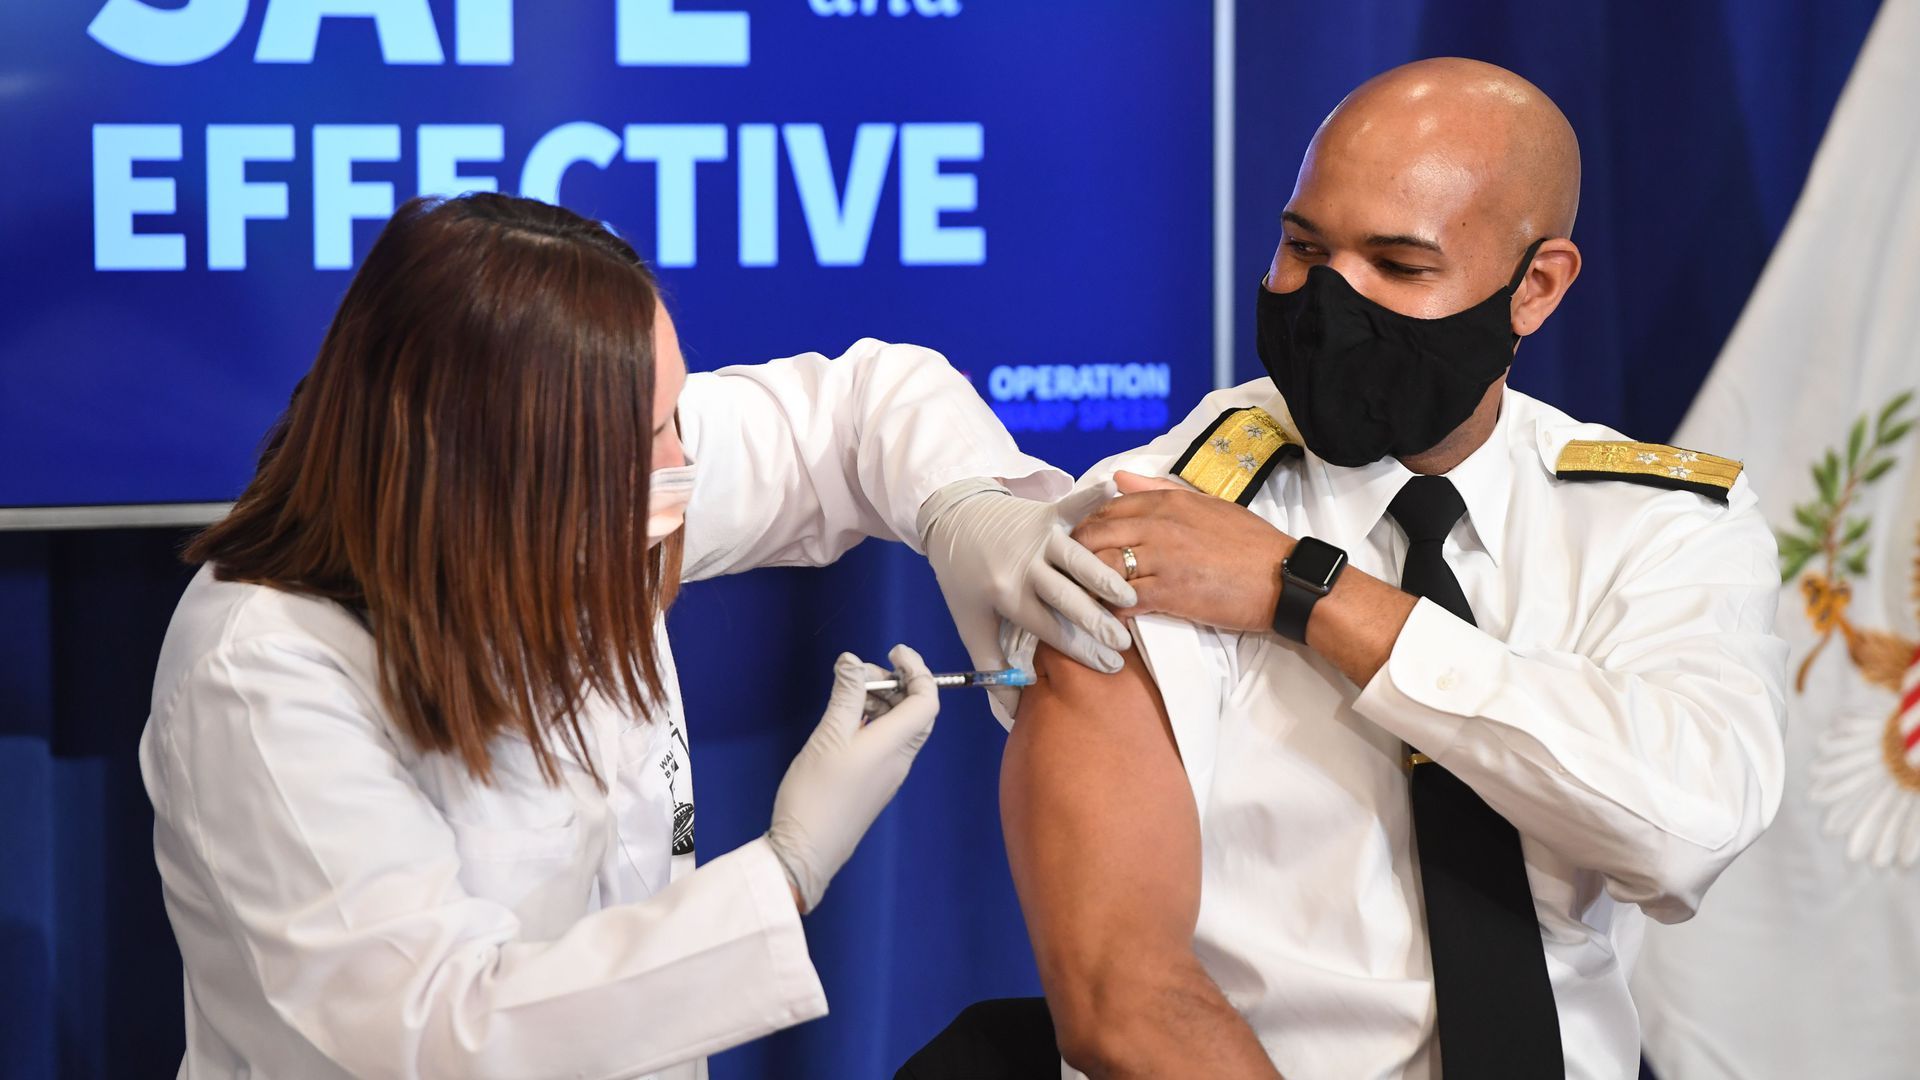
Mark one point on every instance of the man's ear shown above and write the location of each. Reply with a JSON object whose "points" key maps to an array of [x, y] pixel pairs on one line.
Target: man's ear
{"points": [[1554, 267]]}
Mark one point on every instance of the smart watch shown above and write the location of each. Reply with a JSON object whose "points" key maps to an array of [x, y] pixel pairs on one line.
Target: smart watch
{"points": [[1306, 575]]}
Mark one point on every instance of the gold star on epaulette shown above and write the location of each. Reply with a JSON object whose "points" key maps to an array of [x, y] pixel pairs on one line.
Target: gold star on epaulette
{"points": [[1654, 464], [1233, 458]]}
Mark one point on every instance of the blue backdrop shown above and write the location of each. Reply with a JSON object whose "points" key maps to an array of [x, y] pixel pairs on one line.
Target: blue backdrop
{"points": [[992, 179], [1697, 121]]}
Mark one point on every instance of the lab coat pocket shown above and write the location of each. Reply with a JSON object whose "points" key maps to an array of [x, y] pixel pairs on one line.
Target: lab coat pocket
{"points": [[537, 871], [490, 844]]}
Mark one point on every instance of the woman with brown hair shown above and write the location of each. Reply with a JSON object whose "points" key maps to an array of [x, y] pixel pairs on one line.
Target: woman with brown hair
{"points": [[416, 752]]}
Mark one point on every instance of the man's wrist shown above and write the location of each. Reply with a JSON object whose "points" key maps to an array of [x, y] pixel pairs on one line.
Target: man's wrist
{"points": [[1309, 572], [1356, 625], [1273, 564]]}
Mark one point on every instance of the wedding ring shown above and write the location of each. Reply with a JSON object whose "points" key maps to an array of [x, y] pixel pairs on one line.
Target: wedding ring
{"points": [[1127, 560]]}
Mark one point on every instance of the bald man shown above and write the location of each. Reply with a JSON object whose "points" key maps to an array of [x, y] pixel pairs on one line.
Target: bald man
{"points": [[1437, 692]]}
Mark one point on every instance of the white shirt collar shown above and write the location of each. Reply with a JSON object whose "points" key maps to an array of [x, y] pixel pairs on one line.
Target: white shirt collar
{"points": [[1355, 499], [1485, 480]]}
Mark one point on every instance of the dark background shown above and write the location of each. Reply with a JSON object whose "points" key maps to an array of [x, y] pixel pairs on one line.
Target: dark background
{"points": [[1697, 121]]}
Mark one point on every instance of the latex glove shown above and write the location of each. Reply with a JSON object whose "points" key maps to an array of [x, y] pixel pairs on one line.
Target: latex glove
{"points": [[849, 770], [997, 555]]}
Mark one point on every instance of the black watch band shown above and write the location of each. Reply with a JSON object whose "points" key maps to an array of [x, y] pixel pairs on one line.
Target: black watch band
{"points": [[1306, 575]]}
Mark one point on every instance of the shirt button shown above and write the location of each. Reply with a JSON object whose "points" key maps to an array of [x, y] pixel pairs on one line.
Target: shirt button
{"points": [[1447, 681]]}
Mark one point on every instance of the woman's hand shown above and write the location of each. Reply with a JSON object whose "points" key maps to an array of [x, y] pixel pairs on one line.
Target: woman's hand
{"points": [[997, 555], [849, 770]]}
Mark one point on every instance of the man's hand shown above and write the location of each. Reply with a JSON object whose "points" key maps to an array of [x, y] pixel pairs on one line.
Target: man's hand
{"points": [[1202, 559], [1000, 556], [1214, 562]]}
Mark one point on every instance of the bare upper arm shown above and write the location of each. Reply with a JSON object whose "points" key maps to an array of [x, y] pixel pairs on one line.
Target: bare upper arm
{"points": [[1101, 830]]}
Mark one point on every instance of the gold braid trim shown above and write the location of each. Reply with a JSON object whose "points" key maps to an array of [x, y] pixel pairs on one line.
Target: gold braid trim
{"points": [[1666, 466], [1230, 458]]}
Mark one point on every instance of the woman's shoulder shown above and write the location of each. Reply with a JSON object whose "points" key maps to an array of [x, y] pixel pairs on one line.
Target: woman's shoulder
{"points": [[223, 629]]}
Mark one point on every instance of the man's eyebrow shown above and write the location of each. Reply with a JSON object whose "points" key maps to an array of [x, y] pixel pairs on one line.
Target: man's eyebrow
{"points": [[1405, 240], [1376, 240]]}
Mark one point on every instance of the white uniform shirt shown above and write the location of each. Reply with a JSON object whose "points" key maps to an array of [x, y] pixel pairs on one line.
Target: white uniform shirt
{"points": [[1620, 701], [346, 905]]}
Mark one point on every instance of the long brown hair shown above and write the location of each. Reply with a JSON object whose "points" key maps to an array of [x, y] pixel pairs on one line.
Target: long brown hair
{"points": [[466, 463]]}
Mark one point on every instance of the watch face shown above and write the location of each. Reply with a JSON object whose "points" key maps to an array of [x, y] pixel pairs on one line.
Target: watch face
{"points": [[1315, 562]]}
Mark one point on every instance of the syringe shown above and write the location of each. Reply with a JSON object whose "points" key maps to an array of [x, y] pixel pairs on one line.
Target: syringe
{"points": [[959, 680]]}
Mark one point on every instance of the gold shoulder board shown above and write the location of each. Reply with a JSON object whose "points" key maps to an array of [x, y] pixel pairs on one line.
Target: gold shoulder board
{"points": [[1654, 464], [1233, 458]]}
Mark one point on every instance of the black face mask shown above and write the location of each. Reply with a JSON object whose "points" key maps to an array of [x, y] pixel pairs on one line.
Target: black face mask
{"points": [[1364, 382]]}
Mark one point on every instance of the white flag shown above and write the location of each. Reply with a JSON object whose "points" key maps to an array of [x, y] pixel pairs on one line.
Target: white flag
{"points": [[1804, 961]]}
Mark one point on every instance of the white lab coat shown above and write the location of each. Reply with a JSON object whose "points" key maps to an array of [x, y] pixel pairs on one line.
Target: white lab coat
{"points": [[347, 905]]}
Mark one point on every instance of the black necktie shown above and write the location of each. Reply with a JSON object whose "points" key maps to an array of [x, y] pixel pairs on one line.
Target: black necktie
{"points": [[1494, 1001]]}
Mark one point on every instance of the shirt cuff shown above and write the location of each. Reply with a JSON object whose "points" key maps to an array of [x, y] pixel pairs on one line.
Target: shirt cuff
{"points": [[793, 986], [1028, 478], [1031, 478], [1441, 672]]}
